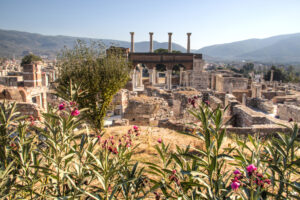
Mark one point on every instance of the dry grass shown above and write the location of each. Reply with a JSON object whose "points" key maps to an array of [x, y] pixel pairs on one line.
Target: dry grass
{"points": [[149, 136], [148, 139]]}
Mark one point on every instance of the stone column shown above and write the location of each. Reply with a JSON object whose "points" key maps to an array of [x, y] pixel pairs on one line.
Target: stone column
{"points": [[150, 76], [230, 89], [169, 72], [151, 42], [170, 43], [140, 77], [157, 77], [132, 41], [261, 77], [154, 76], [186, 78], [272, 76], [244, 99], [188, 48], [133, 79], [258, 91], [180, 76], [254, 91], [167, 80]]}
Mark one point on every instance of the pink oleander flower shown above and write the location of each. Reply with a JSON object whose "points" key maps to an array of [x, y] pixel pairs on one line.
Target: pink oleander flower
{"points": [[251, 168], [193, 102], [235, 185], [136, 128], [157, 196], [159, 140], [75, 112], [62, 106], [237, 172], [174, 171], [73, 103], [268, 181]]}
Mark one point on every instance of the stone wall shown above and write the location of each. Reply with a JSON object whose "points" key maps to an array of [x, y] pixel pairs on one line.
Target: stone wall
{"points": [[262, 130], [261, 104], [239, 94], [285, 112], [146, 110], [282, 99], [177, 100], [246, 117], [120, 101], [271, 94], [214, 102], [27, 109], [228, 84]]}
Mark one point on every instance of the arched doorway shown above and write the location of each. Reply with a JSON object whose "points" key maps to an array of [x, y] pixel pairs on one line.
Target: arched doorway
{"points": [[177, 74], [161, 70]]}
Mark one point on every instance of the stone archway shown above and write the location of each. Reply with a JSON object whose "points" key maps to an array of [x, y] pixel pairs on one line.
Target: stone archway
{"points": [[177, 72], [23, 93]]}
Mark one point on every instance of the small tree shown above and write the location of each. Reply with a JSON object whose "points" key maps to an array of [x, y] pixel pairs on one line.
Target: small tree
{"points": [[279, 75], [28, 59], [100, 77]]}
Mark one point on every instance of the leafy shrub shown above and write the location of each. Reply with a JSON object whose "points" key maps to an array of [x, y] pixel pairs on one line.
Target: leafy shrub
{"points": [[58, 158]]}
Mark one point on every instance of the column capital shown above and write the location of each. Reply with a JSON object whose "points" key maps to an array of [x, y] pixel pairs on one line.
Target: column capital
{"points": [[131, 33], [151, 33], [170, 33], [189, 34]]}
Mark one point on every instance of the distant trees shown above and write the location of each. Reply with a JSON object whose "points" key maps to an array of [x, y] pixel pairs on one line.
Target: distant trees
{"points": [[96, 78], [283, 74], [161, 50], [28, 59], [245, 70]]}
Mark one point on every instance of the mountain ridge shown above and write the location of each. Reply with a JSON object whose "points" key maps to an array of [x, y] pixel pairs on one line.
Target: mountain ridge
{"points": [[280, 49]]}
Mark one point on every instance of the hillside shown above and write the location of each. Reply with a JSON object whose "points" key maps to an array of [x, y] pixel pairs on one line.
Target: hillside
{"points": [[17, 43], [277, 49], [280, 49]]}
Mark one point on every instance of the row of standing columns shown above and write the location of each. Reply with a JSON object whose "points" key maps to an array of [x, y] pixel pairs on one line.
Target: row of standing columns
{"points": [[188, 49], [185, 78]]}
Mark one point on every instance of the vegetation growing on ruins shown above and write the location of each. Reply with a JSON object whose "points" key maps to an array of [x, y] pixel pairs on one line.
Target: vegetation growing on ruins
{"points": [[284, 75], [94, 79], [28, 59], [60, 158], [161, 50]]}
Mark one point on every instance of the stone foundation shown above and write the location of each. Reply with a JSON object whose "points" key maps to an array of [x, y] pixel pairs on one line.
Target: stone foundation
{"points": [[287, 112]]}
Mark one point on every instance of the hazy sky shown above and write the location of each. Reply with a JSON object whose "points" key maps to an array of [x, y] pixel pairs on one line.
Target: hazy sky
{"points": [[210, 21]]}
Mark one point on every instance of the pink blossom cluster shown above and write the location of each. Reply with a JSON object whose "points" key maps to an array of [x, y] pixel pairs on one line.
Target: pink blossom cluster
{"points": [[31, 120], [109, 144], [72, 107], [192, 101], [174, 178], [125, 141], [157, 195], [253, 177]]}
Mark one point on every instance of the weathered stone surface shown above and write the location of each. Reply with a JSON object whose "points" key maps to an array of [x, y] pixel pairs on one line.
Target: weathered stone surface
{"points": [[261, 104], [246, 117], [287, 112], [120, 122], [144, 110], [214, 102]]}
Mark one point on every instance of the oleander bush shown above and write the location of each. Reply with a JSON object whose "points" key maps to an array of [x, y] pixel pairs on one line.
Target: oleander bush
{"points": [[60, 157]]}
